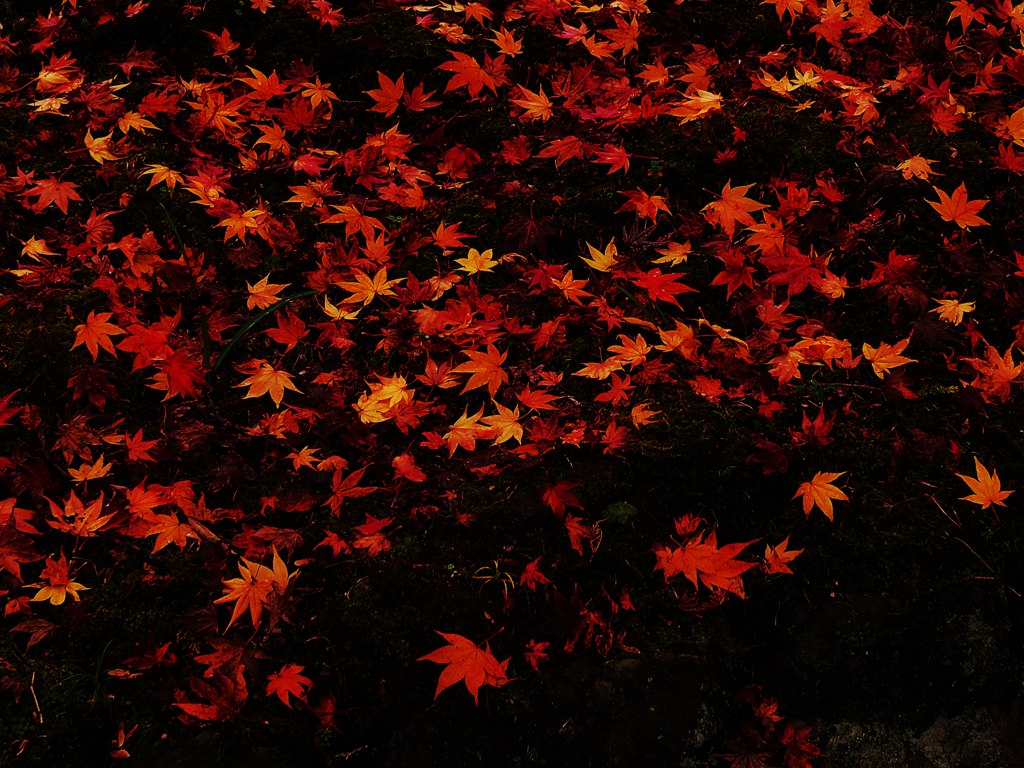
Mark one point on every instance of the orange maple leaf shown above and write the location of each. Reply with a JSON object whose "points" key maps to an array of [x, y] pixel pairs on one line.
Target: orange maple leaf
{"points": [[288, 682], [731, 207], [161, 173], [916, 167], [467, 661], [290, 331], [405, 466], [486, 369], [95, 332], [717, 568], [365, 288], [986, 488], [958, 209], [237, 224], [615, 157], [347, 488], [537, 105], [506, 43], [371, 536], [90, 471], [170, 530], [995, 373], [886, 357], [269, 380], [782, 7], [953, 310], [775, 558], [819, 492], [252, 590], [646, 206], [465, 431], [264, 87], [53, 191], [564, 149], [263, 294], [505, 424], [222, 43]]}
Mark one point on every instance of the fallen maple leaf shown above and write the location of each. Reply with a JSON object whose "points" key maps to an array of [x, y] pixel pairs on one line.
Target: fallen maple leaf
{"points": [[604, 260], [466, 661], [537, 105], [886, 357], [775, 558], [731, 207], [268, 380], [819, 492], [389, 95], [986, 488], [226, 694], [95, 332], [486, 369], [465, 431], [958, 209], [288, 682], [995, 372], [99, 147], [56, 192], [477, 262], [59, 584], [264, 294], [716, 567], [953, 310]]}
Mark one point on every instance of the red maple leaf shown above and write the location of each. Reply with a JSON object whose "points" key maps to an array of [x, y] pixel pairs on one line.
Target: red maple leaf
{"points": [[225, 694], [288, 681], [559, 495], [716, 567], [467, 661], [53, 191], [662, 287]]}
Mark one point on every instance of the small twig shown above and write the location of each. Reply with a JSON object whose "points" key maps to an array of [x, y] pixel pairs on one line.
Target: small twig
{"points": [[32, 688], [954, 522], [996, 575]]}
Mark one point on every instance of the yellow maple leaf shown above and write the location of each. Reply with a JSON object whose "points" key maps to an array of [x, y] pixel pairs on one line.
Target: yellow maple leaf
{"points": [[99, 148], [953, 310], [674, 254], [477, 262], [604, 260]]}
